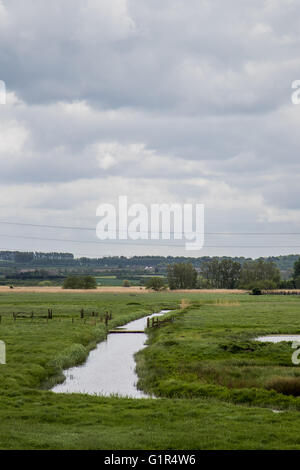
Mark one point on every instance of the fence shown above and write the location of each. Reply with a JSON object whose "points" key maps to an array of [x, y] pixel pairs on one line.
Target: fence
{"points": [[103, 317], [156, 322]]}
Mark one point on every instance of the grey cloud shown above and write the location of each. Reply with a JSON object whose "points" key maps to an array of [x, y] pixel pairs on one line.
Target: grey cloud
{"points": [[174, 99], [199, 58]]}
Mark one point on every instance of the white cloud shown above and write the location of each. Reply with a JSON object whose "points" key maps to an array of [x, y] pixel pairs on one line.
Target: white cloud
{"points": [[3, 15], [12, 139]]}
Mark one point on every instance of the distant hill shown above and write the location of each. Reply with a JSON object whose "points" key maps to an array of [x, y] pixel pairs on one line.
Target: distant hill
{"points": [[19, 260]]}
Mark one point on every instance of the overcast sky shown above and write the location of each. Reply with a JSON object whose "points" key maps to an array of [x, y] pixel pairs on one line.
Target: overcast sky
{"points": [[165, 102]]}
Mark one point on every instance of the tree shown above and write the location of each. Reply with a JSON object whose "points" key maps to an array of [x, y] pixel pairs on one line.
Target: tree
{"points": [[296, 269], [260, 273], [222, 274], [155, 283], [80, 282], [71, 282], [182, 276], [89, 282], [211, 273], [23, 257], [296, 274], [229, 273]]}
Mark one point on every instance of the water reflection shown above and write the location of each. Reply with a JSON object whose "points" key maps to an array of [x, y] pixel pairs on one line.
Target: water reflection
{"points": [[110, 368]]}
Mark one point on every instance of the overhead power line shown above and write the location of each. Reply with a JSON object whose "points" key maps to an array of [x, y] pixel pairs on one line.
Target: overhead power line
{"points": [[140, 242], [93, 229]]}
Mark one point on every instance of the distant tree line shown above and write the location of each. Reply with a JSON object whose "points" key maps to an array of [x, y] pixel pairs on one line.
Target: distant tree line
{"points": [[24, 257], [229, 274], [37, 274], [158, 263], [181, 272], [215, 274]]}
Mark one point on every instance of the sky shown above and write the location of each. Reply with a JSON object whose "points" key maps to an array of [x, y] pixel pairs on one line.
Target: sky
{"points": [[164, 102]]}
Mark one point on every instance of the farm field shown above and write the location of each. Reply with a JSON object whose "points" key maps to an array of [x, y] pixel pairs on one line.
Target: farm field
{"points": [[112, 281], [214, 383]]}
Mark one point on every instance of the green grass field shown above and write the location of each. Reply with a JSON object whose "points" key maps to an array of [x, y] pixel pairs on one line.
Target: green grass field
{"points": [[215, 383], [108, 281], [209, 351]]}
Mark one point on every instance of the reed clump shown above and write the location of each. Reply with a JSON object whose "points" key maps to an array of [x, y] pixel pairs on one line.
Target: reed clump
{"points": [[184, 303], [285, 385]]}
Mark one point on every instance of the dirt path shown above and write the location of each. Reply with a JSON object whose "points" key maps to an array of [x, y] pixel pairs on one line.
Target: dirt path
{"points": [[57, 290], [121, 290], [112, 290]]}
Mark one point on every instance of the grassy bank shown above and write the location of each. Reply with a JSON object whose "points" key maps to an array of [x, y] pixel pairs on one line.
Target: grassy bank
{"points": [[45, 421], [179, 359]]}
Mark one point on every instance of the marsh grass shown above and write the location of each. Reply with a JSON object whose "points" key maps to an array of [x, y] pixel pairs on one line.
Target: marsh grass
{"points": [[211, 352], [185, 303], [285, 385]]}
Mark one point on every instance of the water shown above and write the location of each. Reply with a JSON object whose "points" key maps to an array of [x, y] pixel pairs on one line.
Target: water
{"points": [[278, 338], [110, 368]]}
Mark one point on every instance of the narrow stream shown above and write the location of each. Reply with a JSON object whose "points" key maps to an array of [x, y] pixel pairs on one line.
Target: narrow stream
{"points": [[110, 368], [278, 338]]}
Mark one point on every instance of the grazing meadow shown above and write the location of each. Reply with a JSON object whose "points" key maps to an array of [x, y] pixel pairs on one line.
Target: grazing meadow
{"points": [[216, 388]]}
